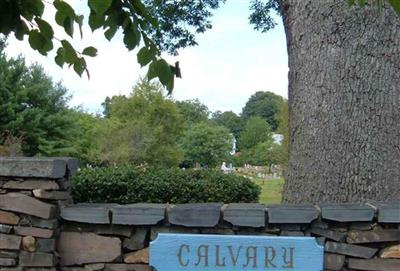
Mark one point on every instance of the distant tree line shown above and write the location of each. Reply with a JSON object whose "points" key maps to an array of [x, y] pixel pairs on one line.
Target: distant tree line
{"points": [[145, 127]]}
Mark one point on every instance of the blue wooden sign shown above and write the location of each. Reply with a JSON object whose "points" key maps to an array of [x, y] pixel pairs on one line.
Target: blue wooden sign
{"points": [[176, 252]]}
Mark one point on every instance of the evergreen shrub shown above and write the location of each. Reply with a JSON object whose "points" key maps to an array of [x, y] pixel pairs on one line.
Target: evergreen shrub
{"points": [[130, 184]]}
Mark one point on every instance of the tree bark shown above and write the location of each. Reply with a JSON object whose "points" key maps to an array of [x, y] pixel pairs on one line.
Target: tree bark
{"points": [[344, 99]]}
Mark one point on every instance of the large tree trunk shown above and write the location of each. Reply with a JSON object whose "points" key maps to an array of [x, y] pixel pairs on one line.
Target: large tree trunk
{"points": [[344, 98]]}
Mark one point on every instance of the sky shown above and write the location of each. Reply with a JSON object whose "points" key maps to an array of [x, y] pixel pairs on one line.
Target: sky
{"points": [[231, 62]]}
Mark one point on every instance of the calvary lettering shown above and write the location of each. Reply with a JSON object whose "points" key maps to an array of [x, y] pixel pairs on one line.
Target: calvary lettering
{"points": [[226, 256]]}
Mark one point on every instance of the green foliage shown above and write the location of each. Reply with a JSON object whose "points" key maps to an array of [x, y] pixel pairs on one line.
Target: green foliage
{"points": [[84, 143], [126, 185], [206, 144], [109, 14], [134, 143], [262, 20], [34, 109], [229, 120], [260, 15], [255, 131], [395, 4], [380, 3], [107, 107], [193, 111], [155, 25], [258, 154], [236, 160], [141, 128], [263, 104], [264, 154], [180, 21], [257, 145]]}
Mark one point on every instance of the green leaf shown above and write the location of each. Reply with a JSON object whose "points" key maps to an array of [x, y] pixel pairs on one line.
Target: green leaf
{"points": [[90, 51], [64, 8], [165, 74], [395, 5], [21, 29], [140, 8], [47, 47], [112, 19], [351, 2], [176, 70], [87, 73], [31, 7], [99, 6], [361, 2], [143, 11], [79, 21], [170, 85], [147, 40], [70, 55], [132, 37], [60, 18], [79, 65], [36, 40], [39, 42], [144, 25], [164, 71], [69, 26], [59, 59], [95, 20], [45, 28], [145, 55], [109, 34], [152, 72], [126, 23]]}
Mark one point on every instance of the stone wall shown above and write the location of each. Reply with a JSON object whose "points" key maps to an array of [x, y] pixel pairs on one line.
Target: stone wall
{"points": [[31, 194], [41, 231], [355, 236]]}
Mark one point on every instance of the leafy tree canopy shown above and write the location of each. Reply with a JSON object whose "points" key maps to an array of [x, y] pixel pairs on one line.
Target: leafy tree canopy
{"points": [[206, 144], [263, 104], [255, 131], [229, 120], [34, 108], [264, 153], [179, 21], [84, 143], [155, 25], [260, 16], [107, 106], [262, 20], [257, 145], [193, 111], [141, 128]]}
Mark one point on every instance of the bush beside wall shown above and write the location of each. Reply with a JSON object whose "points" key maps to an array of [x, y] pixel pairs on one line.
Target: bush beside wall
{"points": [[124, 185]]}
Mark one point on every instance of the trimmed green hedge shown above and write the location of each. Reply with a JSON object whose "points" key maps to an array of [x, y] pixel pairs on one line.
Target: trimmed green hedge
{"points": [[129, 184]]}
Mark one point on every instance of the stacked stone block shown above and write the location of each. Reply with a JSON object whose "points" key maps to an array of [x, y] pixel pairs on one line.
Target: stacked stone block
{"points": [[31, 192], [355, 236]]}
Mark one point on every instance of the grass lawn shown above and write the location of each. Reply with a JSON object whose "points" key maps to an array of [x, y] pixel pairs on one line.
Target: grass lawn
{"points": [[271, 190]]}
